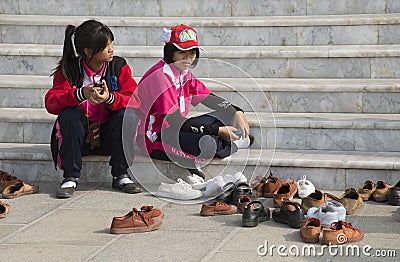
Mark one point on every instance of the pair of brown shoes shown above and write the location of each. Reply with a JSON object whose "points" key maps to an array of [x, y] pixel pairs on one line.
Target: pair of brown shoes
{"points": [[266, 186], [217, 208], [4, 209], [145, 220], [336, 234], [13, 187], [379, 191]]}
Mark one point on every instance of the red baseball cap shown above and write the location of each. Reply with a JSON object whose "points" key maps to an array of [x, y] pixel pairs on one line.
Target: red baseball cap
{"points": [[184, 37]]}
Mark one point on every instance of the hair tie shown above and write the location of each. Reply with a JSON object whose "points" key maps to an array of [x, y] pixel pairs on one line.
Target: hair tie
{"points": [[73, 44], [165, 35]]}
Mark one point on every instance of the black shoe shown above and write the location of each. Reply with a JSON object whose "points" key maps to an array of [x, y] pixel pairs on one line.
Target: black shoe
{"points": [[131, 188], [289, 213], [227, 193], [251, 137], [394, 195], [241, 190], [66, 192], [254, 213], [197, 172]]}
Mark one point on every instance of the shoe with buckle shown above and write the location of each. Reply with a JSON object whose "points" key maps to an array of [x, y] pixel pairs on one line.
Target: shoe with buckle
{"points": [[254, 213], [67, 192], [130, 188]]}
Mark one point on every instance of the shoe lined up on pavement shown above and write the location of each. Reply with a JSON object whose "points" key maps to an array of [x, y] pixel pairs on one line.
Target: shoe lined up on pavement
{"points": [[341, 232], [254, 213], [394, 195], [304, 187], [331, 211], [145, 220], [289, 213], [4, 209], [351, 200], [12, 186], [266, 186], [217, 208], [179, 190]]}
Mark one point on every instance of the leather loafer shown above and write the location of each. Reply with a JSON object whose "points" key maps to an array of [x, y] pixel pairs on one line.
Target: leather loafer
{"points": [[227, 193], [66, 192], [254, 213], [130, 188]]}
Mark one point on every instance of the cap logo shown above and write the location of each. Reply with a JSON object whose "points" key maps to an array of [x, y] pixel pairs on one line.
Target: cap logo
{"points": [[187, 35]]}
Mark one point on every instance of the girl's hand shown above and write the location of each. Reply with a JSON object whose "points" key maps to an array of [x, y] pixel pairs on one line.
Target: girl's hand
{"points": [[99, 94], [240, 122], [228, 133]]}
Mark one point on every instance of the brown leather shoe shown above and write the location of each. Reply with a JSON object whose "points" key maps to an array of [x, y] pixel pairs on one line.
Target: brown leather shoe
{"points": [[135, 222], [4, 209], [217, 208], [150, 212], [6, 179], [340, 233], [243, 202], [316, 199], [271, 185], [381, 192], [258, 185], [286, 191], [366, 190], [311, 229], [351, 200], [19, 189]]}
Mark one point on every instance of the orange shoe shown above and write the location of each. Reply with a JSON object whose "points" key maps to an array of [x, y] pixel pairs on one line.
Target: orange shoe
{"points": [[340, 233], [366, 190], [381, 192], [311, 229]]}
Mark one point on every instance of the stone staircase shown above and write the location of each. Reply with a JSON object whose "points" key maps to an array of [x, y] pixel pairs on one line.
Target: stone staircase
{"points": [[319, 79]]}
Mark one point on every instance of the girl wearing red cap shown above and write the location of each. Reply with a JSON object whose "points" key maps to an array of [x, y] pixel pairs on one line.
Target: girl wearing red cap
{"points": [[167, 90]]}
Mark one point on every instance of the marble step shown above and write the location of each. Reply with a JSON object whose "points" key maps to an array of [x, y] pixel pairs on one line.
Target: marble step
{"points": [[286, 95], [326, 169], [305, 131], [164, 8], [342, 61], [376, 29]]}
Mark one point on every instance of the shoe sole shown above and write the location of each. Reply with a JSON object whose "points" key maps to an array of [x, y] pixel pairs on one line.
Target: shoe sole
{"points": [[297, 224], [310, 240], [253, 222], [228, 212], [130, 230], [166, 195], [130, 192]]}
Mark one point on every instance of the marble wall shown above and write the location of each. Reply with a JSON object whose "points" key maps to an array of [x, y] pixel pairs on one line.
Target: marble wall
{"points": [[198, 8]]}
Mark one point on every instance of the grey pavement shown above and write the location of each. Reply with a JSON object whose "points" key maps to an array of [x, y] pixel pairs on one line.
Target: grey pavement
{"points": [[40, 227]]}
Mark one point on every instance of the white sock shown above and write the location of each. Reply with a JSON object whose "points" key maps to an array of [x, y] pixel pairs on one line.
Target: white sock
{"points": [[68, 184], [243, 142], [125, 181]]}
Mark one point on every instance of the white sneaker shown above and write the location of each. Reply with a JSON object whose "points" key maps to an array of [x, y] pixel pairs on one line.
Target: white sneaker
{"points": [[331, 211], [214, 186], [237, 178], [180, 190], [304, 187], [194, 180]]}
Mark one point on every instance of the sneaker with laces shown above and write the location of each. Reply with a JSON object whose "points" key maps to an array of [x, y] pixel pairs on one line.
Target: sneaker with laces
{"points": [[214, 187], [325, 214], [180, 190], [195, 181], [304, 187], [237, 178]]}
